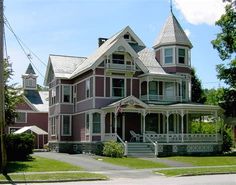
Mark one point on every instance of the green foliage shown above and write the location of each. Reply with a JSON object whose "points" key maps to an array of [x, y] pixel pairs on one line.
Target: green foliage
{"points": [[229, 102], [12, 97], [196, 87], [203, 128], [227, 139], [214, 96], [225, 43], [113, 149], [99, 148], [19, 146]]}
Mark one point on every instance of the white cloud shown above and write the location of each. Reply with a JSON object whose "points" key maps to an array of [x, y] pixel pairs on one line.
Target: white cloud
{"points": [[200, 11], [187, 32]]}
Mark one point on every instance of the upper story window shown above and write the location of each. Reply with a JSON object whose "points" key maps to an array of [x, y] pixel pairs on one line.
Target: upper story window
{"points": [[118, 59], [118, 87], [87, 124], [126, 36], [66, 94], [189, 57], [66, 126], [21, 117], [181, 55], [53, 126], [87, 88], [153, 88], [168, 53]]}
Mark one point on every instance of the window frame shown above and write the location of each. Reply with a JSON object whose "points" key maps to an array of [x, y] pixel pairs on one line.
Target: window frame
{"points": [[70, 122], [63, 93], [87, 88], [87, 124], [53, 126], [118, 61], [96, 123], [172, 55], [123, 90], [25, 119], [183, 57]]}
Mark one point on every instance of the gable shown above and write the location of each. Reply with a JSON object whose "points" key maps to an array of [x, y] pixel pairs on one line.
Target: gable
{"points": [[25, 105]]}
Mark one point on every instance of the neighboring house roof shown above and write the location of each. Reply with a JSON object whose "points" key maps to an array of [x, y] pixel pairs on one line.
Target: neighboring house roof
{"points": [[30, 70], [172, 33], [37, 99], [33, 128], [147, 56]]}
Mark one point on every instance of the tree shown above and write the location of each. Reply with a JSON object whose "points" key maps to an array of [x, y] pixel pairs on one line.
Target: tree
{"points": [[214, 96], [197, 91]]}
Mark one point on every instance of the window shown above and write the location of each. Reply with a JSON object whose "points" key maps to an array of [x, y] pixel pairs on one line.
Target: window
{"points": [[153, 88], [126, 36], [168, 55], [118, 87], [30, 82], [53, 99], [181, 56], [189, 57], [96, 123], [13, 129], [21, 117], [118, 59], [66, 94], [53, 126], [184, 89], [87, 124], [66, 126], [169, 90], [88, 88]]}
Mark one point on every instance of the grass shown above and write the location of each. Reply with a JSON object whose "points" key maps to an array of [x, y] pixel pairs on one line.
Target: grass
{"points": [[205, 160], [40, 164], [51, 177], [133, 162], [197, 171]]}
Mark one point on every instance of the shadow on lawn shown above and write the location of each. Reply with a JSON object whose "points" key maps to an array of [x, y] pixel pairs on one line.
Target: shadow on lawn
{"points": [[8, 178], [18, 166]]}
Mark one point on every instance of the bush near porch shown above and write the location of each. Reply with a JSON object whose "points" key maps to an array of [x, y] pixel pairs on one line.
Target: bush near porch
{"points": [[113, 149]]}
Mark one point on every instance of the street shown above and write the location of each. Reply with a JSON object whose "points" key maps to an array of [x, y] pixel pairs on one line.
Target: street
{"points": [[229, 179]]}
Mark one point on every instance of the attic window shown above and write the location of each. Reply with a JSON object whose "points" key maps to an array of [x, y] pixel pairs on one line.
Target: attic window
{"points": [[118, 59], [126, 36]]}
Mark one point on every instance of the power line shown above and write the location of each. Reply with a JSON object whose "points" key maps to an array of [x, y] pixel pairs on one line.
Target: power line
{"points": [[23, 49]]}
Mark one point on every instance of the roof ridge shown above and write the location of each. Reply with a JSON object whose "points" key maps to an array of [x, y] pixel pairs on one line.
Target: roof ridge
{"points": [[66, 56]]}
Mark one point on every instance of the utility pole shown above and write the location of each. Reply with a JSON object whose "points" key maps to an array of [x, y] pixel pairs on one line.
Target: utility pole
{"points": [[2, 97]]}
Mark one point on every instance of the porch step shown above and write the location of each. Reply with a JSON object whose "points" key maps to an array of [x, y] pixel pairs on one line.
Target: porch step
{"points": [[140, 149]]}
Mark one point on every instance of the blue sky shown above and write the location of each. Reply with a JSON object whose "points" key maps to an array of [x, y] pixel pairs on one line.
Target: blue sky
{"points": [[72, 27]]}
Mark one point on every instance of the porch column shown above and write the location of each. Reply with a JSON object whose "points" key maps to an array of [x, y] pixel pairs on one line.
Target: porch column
{"points": [[111, 122], [215, 120], [123, 127], [167, 126], [144, 124], [116, 123], [181, 91], [90, 126], [147, 88], [103, 115], [182, 125]]}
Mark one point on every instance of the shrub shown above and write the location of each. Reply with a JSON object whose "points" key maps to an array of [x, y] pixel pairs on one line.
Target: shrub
{"points": [[99, 148], [113, 149], [19, 146], [227, 139]]}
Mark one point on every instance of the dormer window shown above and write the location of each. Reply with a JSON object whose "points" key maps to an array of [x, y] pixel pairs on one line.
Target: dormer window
{"points": [[118, 59], [168, 53], [30, 83], [127, 37], [181, 55]]}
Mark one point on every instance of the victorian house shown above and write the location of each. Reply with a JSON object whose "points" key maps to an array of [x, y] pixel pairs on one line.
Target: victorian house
{"points": [[127, 92], [33, 111]]}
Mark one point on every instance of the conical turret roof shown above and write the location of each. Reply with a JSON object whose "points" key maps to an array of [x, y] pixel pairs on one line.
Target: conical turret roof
{"points": [[30, 70], [172, 33]]}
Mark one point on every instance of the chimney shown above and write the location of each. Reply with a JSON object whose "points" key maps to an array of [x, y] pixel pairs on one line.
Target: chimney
{"points": [[101, 41]]}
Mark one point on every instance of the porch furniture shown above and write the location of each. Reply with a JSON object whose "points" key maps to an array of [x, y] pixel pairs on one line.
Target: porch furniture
{"points": [[135, 137]]}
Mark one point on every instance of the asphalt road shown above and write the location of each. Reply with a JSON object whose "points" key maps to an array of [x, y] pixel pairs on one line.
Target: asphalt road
{"points": [[161, 180]]}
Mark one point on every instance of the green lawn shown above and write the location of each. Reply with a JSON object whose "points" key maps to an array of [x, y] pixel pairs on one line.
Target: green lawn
{"points": [[205, 160], [40, 164], [197, 171], [51, 177], [133, 162]]}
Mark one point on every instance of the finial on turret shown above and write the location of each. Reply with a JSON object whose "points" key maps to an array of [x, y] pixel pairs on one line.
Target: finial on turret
{"points": [[171, 6]]}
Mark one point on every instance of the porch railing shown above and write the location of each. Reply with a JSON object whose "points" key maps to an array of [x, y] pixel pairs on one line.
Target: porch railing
{"points": [[161, 98], [115, 137], [154, 144], [187, 138]]}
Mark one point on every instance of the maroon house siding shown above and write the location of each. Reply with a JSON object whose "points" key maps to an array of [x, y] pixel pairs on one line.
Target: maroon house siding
{"points": [[78, 127], [66, 108], [99, 86], [83, 76], [23, 106], [99, 71], [107, 123], [136, 88], [128, 93], [107, 87], [96, 138], [81, 91], [84, 105], [177, 70], [102, 102], [158, 55], [144, 88]]}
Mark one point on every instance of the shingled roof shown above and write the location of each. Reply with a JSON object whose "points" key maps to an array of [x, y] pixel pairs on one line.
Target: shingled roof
{"points": [[172, 33], [30, 70]]}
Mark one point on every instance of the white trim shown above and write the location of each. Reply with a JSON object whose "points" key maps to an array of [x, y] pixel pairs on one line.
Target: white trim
{"points": [[26, 116], [70, 94], [9, 128], [111, 87]]}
